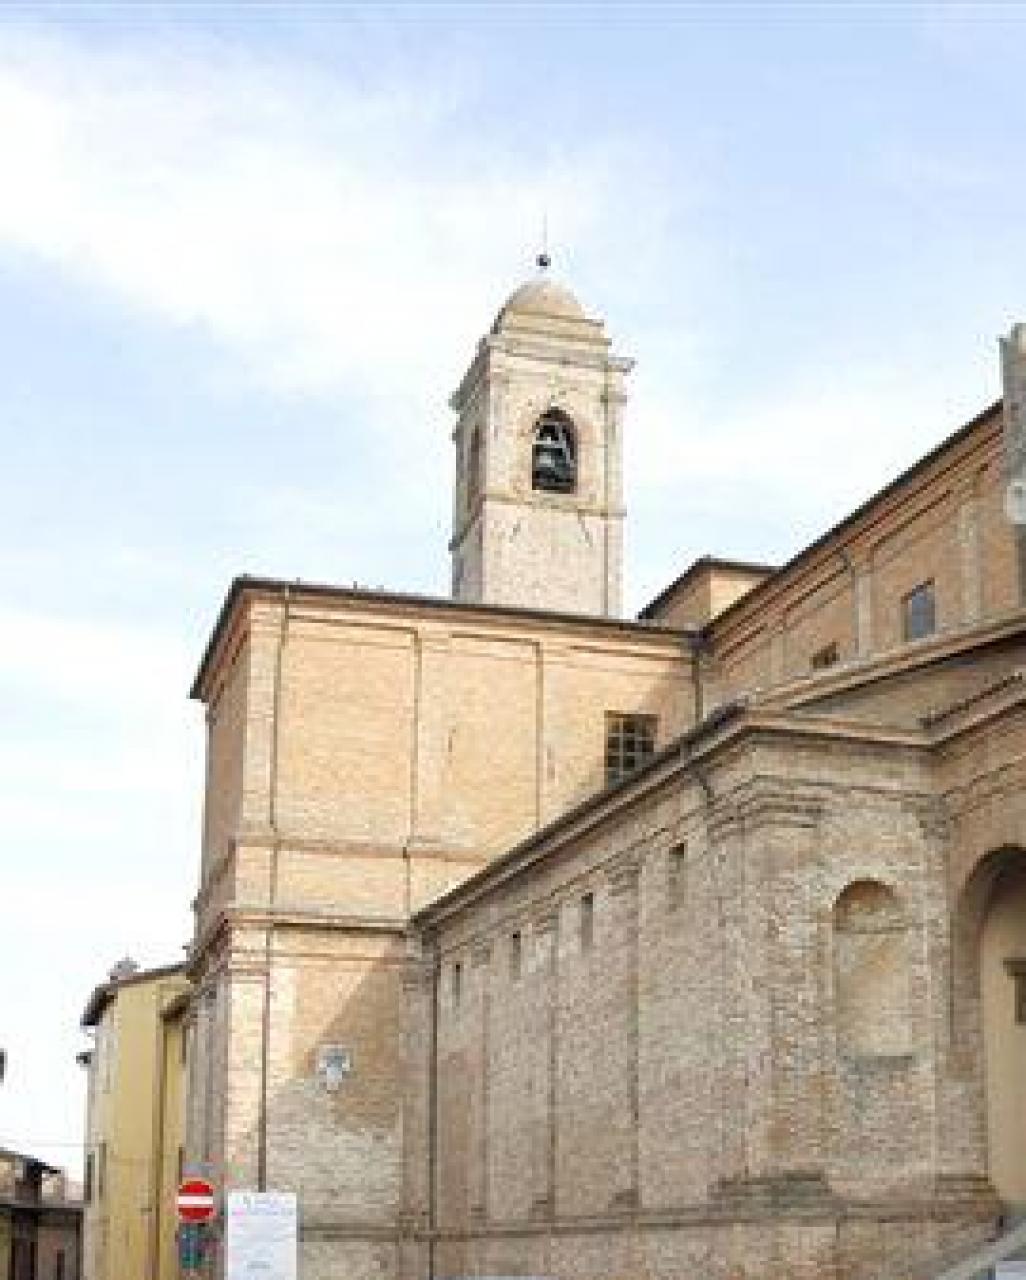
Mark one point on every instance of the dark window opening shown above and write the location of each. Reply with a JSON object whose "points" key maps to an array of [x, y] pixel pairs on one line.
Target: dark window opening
{"points": [[87, 1189], [474, 468], [554, 454], [1017, 969], [587, 921], [676, 876], [516, 955], [457, 984], [58, 1265], [919, 612], [825, 657], [630, 741]]}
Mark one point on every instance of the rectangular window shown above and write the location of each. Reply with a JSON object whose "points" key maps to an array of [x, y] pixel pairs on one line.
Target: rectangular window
{"points": [[630, 741], [457, 984], [516, 955], [87, 1188], [587, 921], [181, 1165], [825, 657], [676, 876], [58, 1265], [919, 612]]}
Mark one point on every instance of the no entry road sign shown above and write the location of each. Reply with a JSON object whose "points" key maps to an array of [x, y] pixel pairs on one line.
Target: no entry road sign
{"points": [[195, 1200]]}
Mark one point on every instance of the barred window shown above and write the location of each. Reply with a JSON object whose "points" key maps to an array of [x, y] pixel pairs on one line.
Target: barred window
{"points": [[919, 612], [630, 741]]}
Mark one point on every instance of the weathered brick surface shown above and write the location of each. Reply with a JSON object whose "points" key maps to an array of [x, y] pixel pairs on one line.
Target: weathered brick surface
{"points": [[711, 1064], [767, 1057], [386, 752]]}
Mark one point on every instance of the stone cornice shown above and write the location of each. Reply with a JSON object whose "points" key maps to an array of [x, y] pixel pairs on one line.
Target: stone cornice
{"points": [[360, 604], [689, 758], [568, 504], [261, 916]]}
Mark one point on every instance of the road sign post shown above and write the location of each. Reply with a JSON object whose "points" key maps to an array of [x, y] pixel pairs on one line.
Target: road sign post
{"points": [[190, 1246]]}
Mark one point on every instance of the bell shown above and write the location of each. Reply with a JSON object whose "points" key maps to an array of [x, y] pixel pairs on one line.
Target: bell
{"points": [[548, 462]]}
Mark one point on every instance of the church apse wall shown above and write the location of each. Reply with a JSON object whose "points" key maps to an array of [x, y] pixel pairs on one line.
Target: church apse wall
{"points": [[704, 1029]]}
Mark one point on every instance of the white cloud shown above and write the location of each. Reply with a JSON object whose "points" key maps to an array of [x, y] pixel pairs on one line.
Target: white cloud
{"points": [[326, 236]]}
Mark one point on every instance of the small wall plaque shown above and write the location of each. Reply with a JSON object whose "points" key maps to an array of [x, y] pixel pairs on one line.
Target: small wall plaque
{"points": [[334, 1064]]}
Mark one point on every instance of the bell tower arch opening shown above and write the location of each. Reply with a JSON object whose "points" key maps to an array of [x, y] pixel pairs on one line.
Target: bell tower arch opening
{"points": [[538, 498], [554, 454]]}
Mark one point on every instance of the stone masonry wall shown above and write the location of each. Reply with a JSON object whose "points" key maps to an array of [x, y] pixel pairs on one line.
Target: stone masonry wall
{"points": [[679, 1088]]}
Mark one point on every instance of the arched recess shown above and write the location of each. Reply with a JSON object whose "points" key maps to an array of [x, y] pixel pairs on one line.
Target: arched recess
{"points": [[871, 972], [989, 1006]]}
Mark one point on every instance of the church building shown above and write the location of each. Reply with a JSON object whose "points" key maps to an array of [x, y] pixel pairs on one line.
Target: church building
{"points": [[532, 940]]}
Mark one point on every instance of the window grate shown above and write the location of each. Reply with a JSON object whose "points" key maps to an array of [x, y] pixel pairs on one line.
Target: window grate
{"points": [[630, 741]]}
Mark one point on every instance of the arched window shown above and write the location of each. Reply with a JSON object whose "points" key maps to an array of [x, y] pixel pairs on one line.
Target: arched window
{"points": [[871, 971], [554, 453]]}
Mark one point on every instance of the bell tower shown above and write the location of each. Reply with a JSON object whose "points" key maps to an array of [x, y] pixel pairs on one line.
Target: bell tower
{"points": [[538, 495]]}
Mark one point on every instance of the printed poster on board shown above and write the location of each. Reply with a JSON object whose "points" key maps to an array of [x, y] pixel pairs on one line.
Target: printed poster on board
{"points": [[260, 1232]]}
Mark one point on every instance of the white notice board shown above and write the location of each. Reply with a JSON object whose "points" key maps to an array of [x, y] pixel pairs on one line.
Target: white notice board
{"points": [[260, 1230]]}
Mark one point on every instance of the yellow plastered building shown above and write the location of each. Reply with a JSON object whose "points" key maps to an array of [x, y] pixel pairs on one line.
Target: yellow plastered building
{"points": [[135, 1122]]}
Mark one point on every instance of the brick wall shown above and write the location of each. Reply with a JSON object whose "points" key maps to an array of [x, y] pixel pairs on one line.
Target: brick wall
{"points": [[701, 1086], [943, 523]]}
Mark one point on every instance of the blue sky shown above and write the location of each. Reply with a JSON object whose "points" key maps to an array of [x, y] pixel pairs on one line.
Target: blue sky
{"points": [[245, 254]]}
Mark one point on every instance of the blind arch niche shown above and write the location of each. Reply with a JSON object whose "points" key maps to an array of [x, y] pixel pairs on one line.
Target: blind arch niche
{"points": [[871, 972]]}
